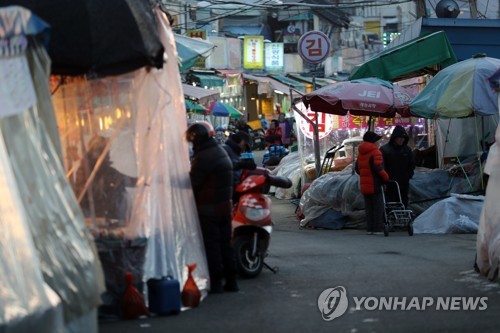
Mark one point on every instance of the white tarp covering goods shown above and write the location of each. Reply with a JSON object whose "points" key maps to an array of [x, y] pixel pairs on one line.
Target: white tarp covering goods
{"points": [[340, 191], [458, 214]]}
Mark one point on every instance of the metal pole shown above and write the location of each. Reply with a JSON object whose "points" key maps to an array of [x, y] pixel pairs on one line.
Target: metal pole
{"points": [[316, 135]]}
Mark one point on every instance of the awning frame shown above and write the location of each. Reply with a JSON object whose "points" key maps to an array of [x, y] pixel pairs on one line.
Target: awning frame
{"points": [[413, 58], [268, 85], [200, 95], [206, 80]]}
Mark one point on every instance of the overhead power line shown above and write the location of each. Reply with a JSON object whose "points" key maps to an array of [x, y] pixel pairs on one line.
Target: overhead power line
{"points": [[272, 4]]}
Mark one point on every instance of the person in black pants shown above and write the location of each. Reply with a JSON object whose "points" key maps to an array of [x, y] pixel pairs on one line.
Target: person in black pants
{"points": [[370, 167], [399, 163], [212, 181]]}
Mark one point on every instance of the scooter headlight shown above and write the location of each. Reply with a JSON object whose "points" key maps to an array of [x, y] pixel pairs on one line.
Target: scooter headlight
{"points": [[256, 214]]}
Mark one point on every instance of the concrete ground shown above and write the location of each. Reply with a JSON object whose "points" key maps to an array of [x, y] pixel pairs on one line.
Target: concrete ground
{"points": [[422, 268]]}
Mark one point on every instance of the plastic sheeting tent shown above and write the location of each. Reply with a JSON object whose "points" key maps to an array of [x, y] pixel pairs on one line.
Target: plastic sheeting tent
{"points": [[27, 303], [488, 236], [48, 259], [130, 129]]}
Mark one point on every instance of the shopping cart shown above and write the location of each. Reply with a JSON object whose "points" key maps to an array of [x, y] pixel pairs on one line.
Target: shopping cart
{"points": [[396, 214]]}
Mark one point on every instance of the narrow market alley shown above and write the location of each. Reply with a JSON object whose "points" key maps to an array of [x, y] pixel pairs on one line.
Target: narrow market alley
{"points": [[311, 261]]}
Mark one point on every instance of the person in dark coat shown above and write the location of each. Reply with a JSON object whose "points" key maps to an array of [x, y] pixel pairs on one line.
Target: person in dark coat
{"points": [[370, 167], [212, 181], [109, 194], [399, 163], [234, 146]]}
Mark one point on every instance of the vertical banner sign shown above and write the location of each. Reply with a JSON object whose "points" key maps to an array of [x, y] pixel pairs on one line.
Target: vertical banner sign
{"points": [[314, 46], [253, 52], [274, 56], [325, 124]]}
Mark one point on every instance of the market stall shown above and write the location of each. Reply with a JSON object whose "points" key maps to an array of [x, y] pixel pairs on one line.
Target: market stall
{"points": [[130, 168], [488, 236], [51, 277], [372, 98]]}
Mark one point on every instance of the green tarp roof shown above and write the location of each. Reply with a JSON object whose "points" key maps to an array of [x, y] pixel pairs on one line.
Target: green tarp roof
{"points": [[193, 107], [295, 84], [320, 82], [209, 80], [190, 49], [413, 56]]}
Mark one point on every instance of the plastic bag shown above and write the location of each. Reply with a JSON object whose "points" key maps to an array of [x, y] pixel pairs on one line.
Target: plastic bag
{"points": [[133, 305], [191, 295]]}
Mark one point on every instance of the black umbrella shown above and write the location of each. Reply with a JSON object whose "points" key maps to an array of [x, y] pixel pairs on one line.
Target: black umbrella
{"points": [[102, 37]]}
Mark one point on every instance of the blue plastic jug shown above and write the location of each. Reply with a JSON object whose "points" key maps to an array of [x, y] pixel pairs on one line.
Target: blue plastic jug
{"points": [[164, 296]]}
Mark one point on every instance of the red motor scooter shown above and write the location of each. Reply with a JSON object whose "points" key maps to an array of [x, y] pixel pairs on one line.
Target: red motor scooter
{"points": [[252, 222]]}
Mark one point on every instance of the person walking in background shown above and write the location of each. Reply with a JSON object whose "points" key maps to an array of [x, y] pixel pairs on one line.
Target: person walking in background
{"points": [[286, 130], [399, 163], [370, 167], [273, 134], [212, 181]]}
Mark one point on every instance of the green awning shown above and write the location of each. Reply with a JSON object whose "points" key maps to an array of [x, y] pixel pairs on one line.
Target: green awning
{"points": [[208, 80], [195, 108], [289, 82], [319, 83], [411, 57]]}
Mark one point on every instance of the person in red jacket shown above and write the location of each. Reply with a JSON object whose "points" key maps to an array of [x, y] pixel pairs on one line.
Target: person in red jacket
{"points": [[370, 167], [273, 134]]}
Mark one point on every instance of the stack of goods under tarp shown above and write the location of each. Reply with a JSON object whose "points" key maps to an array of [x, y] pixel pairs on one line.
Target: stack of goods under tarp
{"points": [[336, 199]]}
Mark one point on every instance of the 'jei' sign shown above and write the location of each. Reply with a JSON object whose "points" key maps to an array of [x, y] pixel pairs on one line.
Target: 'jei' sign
{"points": [[369, 93]]}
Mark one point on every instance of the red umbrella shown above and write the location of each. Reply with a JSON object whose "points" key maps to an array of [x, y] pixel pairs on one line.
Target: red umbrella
{"points": [[362, 97]]}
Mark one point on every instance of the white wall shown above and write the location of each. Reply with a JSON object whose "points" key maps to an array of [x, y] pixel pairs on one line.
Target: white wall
{"points": [[293, 63]]}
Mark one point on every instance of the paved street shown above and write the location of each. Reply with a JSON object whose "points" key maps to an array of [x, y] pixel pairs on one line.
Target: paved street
{"points": [[310, 261]]}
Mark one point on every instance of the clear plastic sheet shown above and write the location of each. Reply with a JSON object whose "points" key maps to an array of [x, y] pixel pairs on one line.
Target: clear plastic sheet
{"points": [[462, 137], [488, 235], [66, 254], [289, 167], [125, 154], [26, 302], [166, 203], [66, 250]]}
